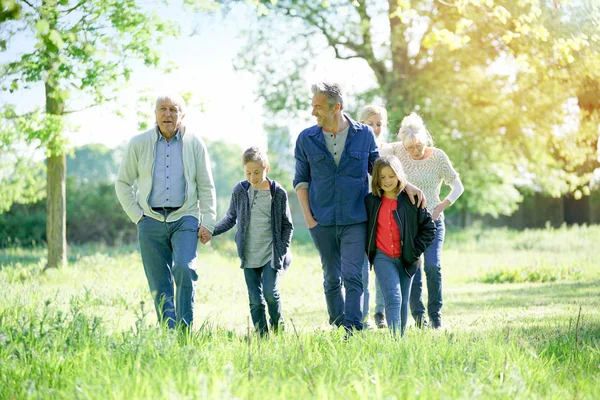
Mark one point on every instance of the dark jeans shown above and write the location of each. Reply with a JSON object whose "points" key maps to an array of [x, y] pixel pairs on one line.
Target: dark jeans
{"points": [[169, 256], [433, 271], [342, 251], [262, 286]]}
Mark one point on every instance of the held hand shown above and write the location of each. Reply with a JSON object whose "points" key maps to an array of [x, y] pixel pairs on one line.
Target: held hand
{"points": [[204, 235], [413, 191]]}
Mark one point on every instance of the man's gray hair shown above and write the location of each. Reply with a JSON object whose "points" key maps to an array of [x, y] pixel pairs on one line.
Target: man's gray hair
{"points": [[331, 90], [175, 98]]}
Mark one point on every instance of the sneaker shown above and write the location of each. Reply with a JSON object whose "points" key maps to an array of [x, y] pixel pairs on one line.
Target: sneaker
{"points": [[437, 324], [380, 320], [278, 328], [421, 322]]}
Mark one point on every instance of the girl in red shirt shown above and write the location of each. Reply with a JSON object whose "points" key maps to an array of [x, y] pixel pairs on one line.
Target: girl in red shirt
{"points": [[398, 233]]}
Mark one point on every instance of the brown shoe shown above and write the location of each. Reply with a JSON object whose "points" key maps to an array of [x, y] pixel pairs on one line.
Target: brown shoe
{"points": [[380, 320]]}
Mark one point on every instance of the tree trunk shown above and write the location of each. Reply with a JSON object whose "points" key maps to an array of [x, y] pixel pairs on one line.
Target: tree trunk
{"points": [[464, 218], [56, 218]]}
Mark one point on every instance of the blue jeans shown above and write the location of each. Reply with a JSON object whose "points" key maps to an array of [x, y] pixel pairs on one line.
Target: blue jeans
{"points": [[433, 271], [379, 302], [366, 293], [168, 252], [342, 251], [395, 285], [262, 284]]}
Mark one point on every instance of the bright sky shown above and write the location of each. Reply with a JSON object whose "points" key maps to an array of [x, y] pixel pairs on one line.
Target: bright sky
{"points": [[232, 110]]}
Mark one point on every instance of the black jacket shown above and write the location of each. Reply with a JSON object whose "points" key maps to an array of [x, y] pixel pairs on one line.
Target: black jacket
{"points": [[417, 230]]}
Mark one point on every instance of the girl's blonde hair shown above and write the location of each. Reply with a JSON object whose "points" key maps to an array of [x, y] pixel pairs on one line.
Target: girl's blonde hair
{"points": [[371, 110], [255, 154], [413, 130], [394, 163]]}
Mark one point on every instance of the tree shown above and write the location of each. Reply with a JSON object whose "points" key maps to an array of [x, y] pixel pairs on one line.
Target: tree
{"points": [[281, 155], [92, 163], [492, 78], [226, 162], [79, 52]]}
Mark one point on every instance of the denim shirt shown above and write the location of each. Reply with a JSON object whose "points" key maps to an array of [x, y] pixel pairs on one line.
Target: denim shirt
{"points": [[336, 193]]}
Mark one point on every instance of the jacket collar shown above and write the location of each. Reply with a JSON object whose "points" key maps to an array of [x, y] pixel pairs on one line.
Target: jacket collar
{"points": [[352, 129], [273, 185], [180, 132]]}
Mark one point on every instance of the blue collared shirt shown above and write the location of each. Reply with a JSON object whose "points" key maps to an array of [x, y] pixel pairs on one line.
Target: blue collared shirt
{"points": [[168, 181], [336, 192]]}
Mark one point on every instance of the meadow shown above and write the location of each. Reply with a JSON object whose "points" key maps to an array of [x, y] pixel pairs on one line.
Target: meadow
{"points": [[522, 318]]}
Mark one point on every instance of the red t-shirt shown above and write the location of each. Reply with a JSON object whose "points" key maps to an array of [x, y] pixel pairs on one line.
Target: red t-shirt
{"points": [[387, 238]]}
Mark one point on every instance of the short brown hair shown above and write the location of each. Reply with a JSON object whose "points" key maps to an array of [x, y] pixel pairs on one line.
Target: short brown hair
{"points": [[394, 163], [255, 154]]}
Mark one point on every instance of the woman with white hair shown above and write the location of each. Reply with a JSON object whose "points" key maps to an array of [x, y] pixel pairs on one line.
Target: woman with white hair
{"points": [[427, 167]]}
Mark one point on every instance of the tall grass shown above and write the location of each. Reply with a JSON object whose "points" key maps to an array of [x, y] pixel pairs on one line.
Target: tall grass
{"points": [[89, 330]]}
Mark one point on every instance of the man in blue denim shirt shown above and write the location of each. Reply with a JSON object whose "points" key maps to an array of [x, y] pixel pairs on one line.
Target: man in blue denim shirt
{"points": [[333, 160]]}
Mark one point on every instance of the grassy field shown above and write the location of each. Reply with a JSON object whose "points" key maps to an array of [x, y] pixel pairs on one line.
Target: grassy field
{"points": [[522, 311]]}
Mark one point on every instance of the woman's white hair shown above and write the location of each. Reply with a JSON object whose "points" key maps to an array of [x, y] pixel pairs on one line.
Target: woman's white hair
{"points": [[413, 130]]}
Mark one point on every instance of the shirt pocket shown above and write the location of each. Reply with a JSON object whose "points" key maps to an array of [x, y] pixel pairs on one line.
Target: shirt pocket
{"points": [[320, 166], [357, 167]]}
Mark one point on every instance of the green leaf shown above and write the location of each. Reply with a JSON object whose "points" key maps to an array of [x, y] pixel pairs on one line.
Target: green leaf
{"points": [[42, 27]]}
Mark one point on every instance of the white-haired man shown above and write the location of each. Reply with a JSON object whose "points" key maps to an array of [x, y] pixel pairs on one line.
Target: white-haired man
{"points": [[173, 207]]}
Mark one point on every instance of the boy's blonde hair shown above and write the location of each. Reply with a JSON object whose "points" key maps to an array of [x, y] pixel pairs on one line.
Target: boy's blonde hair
{"points": [[371, 110], [394, 163], [255, 154]]}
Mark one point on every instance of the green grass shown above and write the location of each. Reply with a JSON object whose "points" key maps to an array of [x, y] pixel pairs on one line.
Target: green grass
{"points": [[89, 330]]}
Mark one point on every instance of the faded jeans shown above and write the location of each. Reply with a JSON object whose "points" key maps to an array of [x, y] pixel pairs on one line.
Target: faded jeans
{"points": [[395, 286], [168, 252], [433, 272]]}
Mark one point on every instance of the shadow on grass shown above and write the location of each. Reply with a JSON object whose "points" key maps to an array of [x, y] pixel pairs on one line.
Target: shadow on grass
{"points": [[29, 258], [586, 293]]}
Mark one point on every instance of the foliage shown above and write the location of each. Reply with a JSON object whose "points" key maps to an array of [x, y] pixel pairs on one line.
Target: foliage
{"points": [[78, 53], [226, 162], [9, 9], [505, 87], [22, 179], [81, 51], [281, 158], [92, 163]]}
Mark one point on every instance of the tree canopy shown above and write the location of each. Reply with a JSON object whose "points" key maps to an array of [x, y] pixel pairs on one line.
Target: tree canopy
{"points": [[505, 87], [71, 55]]}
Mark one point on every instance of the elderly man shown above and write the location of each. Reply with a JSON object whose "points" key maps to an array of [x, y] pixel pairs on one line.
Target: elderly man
{"points": [[333, 160], [173, 207]]}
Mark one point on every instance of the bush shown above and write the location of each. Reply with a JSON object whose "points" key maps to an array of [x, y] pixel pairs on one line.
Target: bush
{"points": [[532, 274]]}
